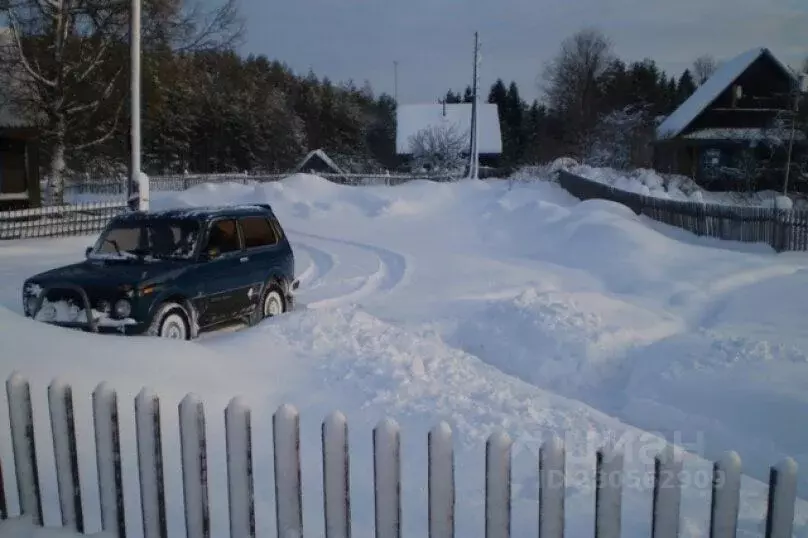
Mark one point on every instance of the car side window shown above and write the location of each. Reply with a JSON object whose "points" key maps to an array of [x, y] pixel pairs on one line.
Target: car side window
{"points": [[223, 237], [258, 232]]}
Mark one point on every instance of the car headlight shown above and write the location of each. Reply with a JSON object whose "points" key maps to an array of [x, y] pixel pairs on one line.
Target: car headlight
{"points": [[104, 307], [123, 308]]}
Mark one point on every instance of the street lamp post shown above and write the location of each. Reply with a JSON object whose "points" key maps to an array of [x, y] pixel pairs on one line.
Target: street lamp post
{"points": [[134, 168]]}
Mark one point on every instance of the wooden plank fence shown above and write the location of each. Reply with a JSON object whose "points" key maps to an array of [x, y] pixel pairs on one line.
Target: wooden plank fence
{"points": [[782, 230], [336, 487]]}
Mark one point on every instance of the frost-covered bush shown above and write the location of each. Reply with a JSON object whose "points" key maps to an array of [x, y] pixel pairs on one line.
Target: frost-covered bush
{"points": [[439, 149]]}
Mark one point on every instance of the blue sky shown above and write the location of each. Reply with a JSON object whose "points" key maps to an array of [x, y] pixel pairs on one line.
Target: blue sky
{"points": [[432, 39]]}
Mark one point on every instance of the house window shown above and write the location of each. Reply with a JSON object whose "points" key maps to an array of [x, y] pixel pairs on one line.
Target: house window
{"points": [[710, 163]]}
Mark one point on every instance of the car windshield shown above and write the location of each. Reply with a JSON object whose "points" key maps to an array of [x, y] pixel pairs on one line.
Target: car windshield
{"points": [[149, 238]]}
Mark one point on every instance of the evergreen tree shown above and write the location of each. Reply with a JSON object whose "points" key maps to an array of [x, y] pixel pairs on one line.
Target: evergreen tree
{"points": [[686, 87]]}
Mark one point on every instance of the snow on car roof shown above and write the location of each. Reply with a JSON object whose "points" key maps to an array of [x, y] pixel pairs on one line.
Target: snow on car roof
{"points": [[196, 213]]}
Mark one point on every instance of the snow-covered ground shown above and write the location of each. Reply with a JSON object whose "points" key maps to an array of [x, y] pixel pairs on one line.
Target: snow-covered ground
{"points": [[490, 305]]}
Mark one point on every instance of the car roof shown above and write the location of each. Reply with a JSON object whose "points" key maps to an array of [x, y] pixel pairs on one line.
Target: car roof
{"points": [[200, 213]]}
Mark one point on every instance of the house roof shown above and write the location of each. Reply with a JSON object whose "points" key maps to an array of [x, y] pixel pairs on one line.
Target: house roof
{"points": [[323, 157], [726, 74], [413, 118]]}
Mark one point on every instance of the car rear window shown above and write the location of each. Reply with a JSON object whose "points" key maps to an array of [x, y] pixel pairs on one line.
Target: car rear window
{"points": [[257, 232]]}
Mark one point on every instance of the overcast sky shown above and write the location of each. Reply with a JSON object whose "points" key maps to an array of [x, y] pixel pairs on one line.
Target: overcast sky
{"points": [[432, 39]]}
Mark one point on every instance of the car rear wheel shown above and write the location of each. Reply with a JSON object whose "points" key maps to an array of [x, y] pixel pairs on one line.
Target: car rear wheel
{"points": [[273, 303], [170, 322]]}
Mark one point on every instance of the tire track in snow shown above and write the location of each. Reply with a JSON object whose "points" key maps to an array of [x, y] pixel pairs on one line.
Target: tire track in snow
{"points": [[322, 263], [392, 270]]}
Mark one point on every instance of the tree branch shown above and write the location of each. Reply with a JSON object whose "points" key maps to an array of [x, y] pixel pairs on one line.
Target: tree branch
{"points": [[97, 102], [106, 136], [23, 60]]}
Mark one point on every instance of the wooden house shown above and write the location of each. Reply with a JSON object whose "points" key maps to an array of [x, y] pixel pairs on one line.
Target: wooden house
{"points": [[736, 125]]}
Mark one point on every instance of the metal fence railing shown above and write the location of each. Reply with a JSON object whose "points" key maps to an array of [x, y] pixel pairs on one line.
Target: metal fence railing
{"points": [[58, 221], [783, 230]]}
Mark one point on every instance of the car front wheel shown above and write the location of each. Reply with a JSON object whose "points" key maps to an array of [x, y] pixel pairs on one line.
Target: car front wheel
{"points": [[170, 322]]}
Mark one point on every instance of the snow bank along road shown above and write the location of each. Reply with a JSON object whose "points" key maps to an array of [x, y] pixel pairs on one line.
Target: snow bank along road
{"points": [[486, 307]]}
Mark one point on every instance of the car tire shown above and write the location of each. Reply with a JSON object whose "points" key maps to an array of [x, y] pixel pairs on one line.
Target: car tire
{"points": [[171, 321], [273, 303]]}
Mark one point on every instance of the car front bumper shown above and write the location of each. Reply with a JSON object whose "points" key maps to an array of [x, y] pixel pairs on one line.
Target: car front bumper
{"points": [[88, 319]]}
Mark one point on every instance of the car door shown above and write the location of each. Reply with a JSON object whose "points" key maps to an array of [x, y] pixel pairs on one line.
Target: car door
{"points": [[261, 247], [223, 278]]}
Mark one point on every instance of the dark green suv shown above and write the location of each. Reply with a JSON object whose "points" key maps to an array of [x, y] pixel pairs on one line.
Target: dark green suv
{"points": [[172, 274]]}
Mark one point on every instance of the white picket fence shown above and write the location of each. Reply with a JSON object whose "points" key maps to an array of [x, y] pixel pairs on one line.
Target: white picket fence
{"points": [[336, 487]]}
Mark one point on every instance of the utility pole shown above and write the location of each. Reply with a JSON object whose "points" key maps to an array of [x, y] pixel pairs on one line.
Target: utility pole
{"points": [[134, 54], [798, 89], [395, 80], [474, 155]]}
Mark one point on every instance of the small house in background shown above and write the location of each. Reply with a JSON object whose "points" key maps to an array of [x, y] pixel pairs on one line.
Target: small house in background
{"points": [[730, 126], [412, 119], [317, 162], [19, 151], [19, 163]]}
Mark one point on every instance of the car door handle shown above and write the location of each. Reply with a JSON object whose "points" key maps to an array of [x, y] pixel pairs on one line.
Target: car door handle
{"points": [[244, 259]]}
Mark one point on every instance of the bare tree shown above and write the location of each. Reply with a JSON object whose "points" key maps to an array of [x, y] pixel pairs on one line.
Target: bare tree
{"points": [[64, 64], [570, 82], [703, 68], [439, 148]]}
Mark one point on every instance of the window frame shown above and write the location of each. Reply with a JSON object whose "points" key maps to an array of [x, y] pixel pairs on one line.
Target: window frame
{"points": [[204, 246], [269, 225]]}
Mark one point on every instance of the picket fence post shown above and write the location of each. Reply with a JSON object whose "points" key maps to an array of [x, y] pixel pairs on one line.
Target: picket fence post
{"points": [[551, 488], [667, 497], [65, 450], [336, 477], [498, 486], [150, 464], [608, 492], [240, 490], [387, 479], [782, 497], [23, 445], [288, 490], [194, 467], [108, 460], [726, 496], [440, 482]]}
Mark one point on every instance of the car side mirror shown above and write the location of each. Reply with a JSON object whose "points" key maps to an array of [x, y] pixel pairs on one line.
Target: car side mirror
{"points": [[87, 252]]}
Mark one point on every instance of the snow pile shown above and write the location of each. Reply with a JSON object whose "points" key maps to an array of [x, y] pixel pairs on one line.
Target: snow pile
{"points": [[565, 342], [642, 181]]}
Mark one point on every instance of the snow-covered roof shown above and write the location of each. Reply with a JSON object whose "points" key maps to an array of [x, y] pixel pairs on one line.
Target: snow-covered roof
{"points": [[726, 74], [323, 157], [413, 118]]}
